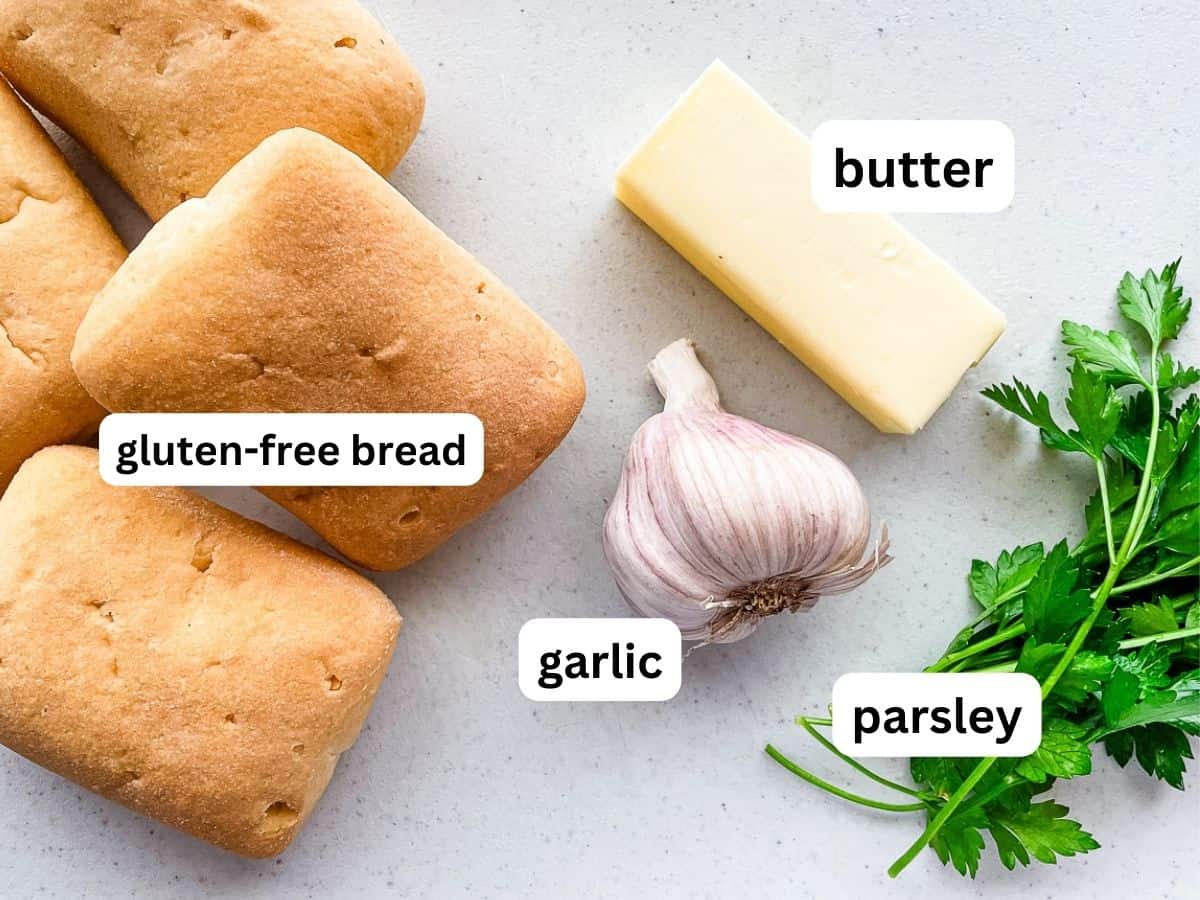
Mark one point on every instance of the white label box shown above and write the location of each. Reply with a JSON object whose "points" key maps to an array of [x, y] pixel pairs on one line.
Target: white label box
{"points": [[925, 714], [599, 659], [291, 449], [915, 165]]}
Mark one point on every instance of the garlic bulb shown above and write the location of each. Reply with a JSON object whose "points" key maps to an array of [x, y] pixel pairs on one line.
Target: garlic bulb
{"points": [[719, 522]]}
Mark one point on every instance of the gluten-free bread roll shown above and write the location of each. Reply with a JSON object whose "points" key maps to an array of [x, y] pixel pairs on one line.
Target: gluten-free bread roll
{"points": [[168, 94], [305, 283], [181, 660], [56, 251]]}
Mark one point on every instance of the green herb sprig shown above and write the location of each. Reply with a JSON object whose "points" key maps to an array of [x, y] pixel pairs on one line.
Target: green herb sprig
{"points": [[1110, 626]]}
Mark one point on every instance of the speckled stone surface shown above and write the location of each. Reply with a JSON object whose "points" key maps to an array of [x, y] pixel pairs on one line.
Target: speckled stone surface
{"points": [[459, 786]]}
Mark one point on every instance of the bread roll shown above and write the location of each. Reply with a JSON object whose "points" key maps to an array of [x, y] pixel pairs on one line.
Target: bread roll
{"points": [[56, 251], [305, 283], [179, 659], [168, 94]]}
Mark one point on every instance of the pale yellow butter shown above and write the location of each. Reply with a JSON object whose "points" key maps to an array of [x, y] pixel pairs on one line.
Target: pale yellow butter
{"points": [[886, 323]]}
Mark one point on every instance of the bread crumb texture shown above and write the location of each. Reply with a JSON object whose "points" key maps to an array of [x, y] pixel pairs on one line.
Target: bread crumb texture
{"points": [[333, 294], [56, 252], [177, 658], [169, 94]]}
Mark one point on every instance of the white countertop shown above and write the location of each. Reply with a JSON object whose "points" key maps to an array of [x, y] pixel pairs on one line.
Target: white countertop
{"points": [[461, 787]]}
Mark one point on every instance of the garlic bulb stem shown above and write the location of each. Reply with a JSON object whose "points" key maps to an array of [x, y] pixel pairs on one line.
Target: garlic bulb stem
{"points": [[682, 381], [719, 522]]}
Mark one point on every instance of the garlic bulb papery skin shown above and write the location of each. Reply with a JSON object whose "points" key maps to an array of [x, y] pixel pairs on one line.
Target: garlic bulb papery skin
{"points": [[719, 522]]}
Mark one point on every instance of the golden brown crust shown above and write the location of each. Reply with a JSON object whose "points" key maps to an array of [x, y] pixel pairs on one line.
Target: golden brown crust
{"points": [[169, 94], [56, 251], [305, 283], [179, 659]]}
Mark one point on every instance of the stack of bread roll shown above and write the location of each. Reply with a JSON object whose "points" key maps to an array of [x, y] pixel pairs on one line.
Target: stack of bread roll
{"points": [[154, 647]]}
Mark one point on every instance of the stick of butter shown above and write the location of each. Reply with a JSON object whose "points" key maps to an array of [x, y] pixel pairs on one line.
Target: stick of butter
{"points": [[886, 323]]}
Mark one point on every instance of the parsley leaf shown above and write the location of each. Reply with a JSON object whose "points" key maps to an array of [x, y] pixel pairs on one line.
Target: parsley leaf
{"points": [[1085, 675], [942, 775], [1094, 406], [1063, 753], [1160, 750], [1052, 604], [1021, 400], [1173, 378], [1045, 834], [1177, 516], [1174, 436], [1038, 659], [1150, 664], [1120, 694], [960, 842], [1110, 354], [1185, 686], [937, 773], [991, 585], [1008, 846], [1155, 303], [1132, 439], [1178, 705], [1151, 618]]}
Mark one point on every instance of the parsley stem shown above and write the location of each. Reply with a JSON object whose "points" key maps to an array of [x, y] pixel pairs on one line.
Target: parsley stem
{"points": [[1010, 666], [999, 637], [837, 791], [1108, 525], [944, 813], [979, 663], [1141, 508], [953, 661], [807, 724], [815, 720], [1156, 577], [1161, 637], [987, 797], [1128, 645], [1141, 513], [1081, 633], [1135, 545]]}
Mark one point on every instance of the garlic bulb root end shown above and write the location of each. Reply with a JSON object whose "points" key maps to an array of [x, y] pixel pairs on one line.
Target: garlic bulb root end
{"points": [[746, 606]]}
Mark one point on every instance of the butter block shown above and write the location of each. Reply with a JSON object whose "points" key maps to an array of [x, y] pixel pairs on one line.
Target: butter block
{"points": [[884, 321]]}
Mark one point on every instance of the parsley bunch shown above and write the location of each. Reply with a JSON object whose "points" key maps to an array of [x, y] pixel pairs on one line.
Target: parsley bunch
{"points": [[1110, 627]]}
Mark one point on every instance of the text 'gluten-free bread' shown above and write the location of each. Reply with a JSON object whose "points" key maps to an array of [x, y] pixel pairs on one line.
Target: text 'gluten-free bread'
{"points": [[188, 663], [169, 94], [56, 251], [305, 283]]}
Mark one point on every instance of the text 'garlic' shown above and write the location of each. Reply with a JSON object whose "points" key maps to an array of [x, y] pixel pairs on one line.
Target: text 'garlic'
{"points": [[719, 522]]}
